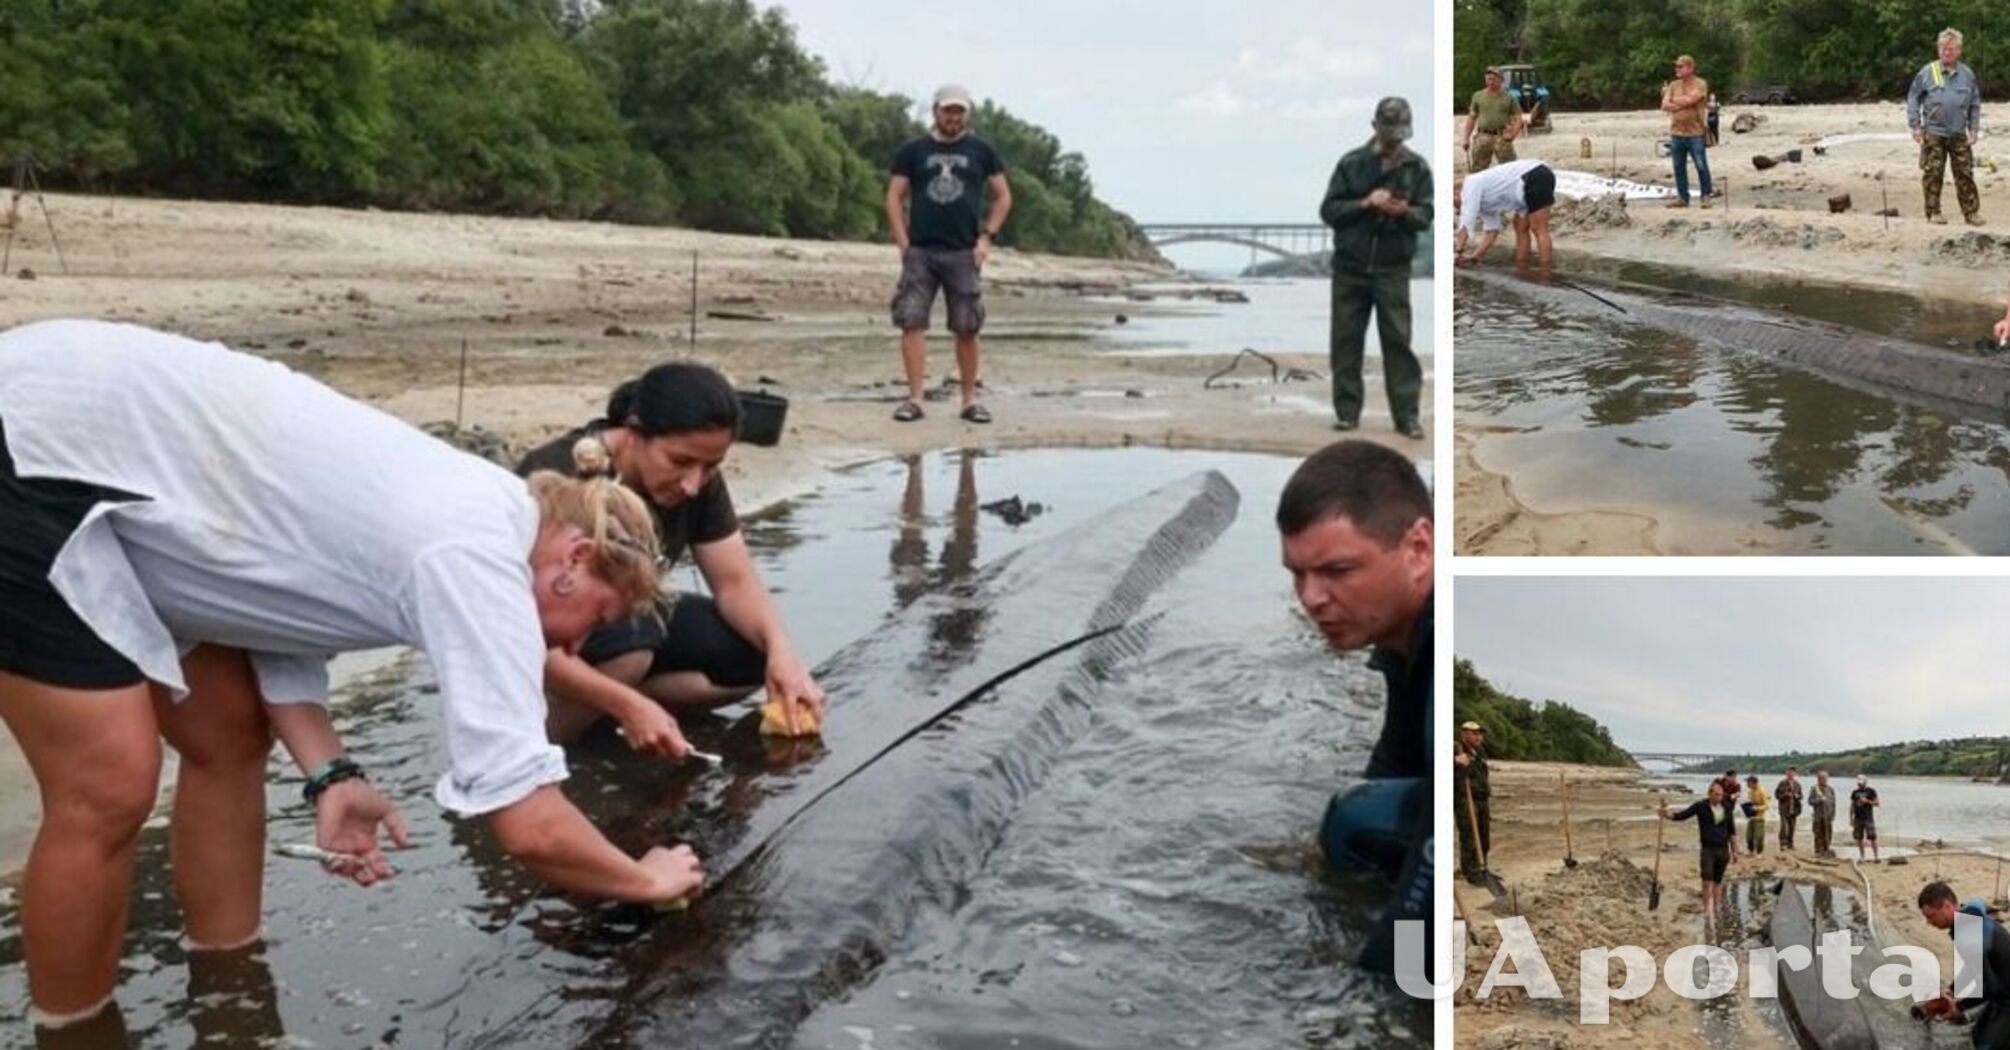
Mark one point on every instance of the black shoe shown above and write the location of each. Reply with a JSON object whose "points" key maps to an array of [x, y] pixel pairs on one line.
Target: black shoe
{"points": [[1410, 428], [1347, 424], [1476, 880]]}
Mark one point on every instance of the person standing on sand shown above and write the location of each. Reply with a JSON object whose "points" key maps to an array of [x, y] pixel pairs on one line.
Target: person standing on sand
{"points": [[1788, 794], [1686, 100], [1716, 835], [1863, 803], [1469, 780], [944, 233], [1377, 202], [1492, 121], [1944, 110], [1822, 800], [1524, 193], [1355, 521], [1757, 803]]}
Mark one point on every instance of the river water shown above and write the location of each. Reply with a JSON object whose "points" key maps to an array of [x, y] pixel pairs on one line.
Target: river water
{"points": [[1283, 315], [1157, 886], [1961, 813], [1729, 452]]}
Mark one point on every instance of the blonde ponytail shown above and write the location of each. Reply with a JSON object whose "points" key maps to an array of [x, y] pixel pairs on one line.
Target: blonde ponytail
{"points": [[626, 549]]}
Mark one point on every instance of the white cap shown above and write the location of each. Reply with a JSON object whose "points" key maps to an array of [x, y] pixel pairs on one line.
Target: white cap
{"points": [[953, 95]]}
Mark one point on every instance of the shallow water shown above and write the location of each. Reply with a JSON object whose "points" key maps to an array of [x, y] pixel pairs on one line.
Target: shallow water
{"points": [[1158, 886], [1731, 453]]}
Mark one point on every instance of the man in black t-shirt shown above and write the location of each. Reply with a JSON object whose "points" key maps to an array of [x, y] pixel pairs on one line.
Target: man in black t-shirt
{"points": [[1863, 803], [935, 208]]}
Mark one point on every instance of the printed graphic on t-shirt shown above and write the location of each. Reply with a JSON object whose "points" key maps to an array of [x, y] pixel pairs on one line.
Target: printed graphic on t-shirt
{"points": [[946, 187]]}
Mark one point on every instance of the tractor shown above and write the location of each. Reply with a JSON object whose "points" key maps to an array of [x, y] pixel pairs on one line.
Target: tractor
{"points": [[1524, 85]]}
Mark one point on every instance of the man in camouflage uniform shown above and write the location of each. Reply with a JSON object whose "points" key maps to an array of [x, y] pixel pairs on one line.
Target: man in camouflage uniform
{"points": [[1492, 119], [1469, 774], [1378, 201], [1944, 110]]}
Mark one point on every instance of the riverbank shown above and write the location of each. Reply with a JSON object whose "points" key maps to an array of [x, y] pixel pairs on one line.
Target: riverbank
{"points": [[553, 314], [1775, 226], [1603, 903], [1777, 223]]}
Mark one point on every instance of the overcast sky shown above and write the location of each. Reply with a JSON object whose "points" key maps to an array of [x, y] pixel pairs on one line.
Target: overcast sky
{"points": [[1750, 665], [1187, 110]]}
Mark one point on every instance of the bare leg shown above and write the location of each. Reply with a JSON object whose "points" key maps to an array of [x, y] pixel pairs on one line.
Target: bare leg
{"points": [[682, 691], [217, 838], [1521, 242], [968, 352], [566, 720], [914, 358], [96, 757]]}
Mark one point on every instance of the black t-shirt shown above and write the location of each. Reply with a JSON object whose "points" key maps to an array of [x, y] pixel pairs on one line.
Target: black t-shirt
{"points": [[945, 199], [1859, 805], [705, 518]]}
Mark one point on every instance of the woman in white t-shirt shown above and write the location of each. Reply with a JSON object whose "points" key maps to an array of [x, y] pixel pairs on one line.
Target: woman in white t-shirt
{"points": [[187, 534]]}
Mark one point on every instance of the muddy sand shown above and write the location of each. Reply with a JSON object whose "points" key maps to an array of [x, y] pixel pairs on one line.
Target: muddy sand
{"points": [[1772, 225], [553, 314], [1602, 903]]}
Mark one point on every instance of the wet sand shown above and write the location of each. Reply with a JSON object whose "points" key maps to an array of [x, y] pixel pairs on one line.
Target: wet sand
{"points": [[1777, 226], [1603, 903], [553, 314]]}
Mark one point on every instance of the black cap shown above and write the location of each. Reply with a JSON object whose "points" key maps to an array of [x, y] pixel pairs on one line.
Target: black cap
{"points": [[1392, 117]]}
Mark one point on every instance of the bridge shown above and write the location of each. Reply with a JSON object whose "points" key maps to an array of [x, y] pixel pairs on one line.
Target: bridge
{"points": [[1680, 759], [1287, 240]]}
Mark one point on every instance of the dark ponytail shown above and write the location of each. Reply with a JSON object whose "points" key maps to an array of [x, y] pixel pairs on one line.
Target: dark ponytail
{"points": [[677, 397]]}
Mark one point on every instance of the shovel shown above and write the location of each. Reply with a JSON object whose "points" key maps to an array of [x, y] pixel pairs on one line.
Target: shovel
{"points": [[1494, 884], [1660, 825], [1569, 851]]}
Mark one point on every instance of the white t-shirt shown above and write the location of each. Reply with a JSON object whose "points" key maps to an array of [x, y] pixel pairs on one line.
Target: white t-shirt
{"points": [[1493, 196], [284, 519]]}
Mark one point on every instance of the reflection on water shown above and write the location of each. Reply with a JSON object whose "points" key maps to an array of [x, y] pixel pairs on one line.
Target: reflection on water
{"points": [[1730, 452], [1161, 888]]}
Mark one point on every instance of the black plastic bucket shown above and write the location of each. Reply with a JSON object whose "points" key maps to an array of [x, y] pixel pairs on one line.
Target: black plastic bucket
{"points": [[761, 417]]}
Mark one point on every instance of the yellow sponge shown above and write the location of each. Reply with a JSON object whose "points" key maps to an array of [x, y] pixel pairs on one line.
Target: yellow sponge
{"points": [[775, 720]]}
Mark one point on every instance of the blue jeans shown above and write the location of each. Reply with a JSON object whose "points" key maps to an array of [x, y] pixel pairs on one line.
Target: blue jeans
{"points": [[1681, 148]]}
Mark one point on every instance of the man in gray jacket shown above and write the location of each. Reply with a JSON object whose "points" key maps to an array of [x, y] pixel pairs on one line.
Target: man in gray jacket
{"points": [[1944, 110]]}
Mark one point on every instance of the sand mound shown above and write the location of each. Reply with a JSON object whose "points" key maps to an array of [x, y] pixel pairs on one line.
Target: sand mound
{"points": [[1516, 1037], [1590, 213], [1971, 247]]}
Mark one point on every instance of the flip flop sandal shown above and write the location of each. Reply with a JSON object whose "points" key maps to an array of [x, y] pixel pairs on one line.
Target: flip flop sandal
{"points": [[908, 412], [976, 414]]}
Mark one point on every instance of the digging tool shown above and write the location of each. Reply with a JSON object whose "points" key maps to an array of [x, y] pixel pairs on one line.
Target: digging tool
{"points": [[1569, 851], [1494, 884], [1459, 905], [1660, 826]]}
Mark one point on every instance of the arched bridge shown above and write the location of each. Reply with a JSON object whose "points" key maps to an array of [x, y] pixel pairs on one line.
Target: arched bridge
{"points": [[1288, 240], [1680, 759]]}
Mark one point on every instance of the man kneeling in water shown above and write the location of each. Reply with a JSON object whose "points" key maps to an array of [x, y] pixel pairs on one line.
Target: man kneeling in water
{"points": [[1356, 524]]}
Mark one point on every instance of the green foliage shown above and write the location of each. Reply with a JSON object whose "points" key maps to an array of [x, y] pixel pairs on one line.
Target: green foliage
{"points": [[1597, 54], [705, 112], [1479, 40], [1985, 757], [1523, 731]]}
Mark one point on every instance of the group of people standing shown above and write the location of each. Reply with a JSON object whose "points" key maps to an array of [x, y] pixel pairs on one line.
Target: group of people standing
{"points": [[1717, 818]]}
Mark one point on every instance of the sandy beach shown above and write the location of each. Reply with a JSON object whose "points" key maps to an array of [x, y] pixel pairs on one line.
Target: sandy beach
{"points": [[1771, 225], [1602, 902], [553, 314]]}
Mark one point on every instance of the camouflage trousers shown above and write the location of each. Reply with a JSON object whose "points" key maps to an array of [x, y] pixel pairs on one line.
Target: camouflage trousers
{"points": [[1490, 148], [1936, 155]]}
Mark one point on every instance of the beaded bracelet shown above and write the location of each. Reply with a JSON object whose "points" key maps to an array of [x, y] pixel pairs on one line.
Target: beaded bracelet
{"points": [[335, 772]]}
